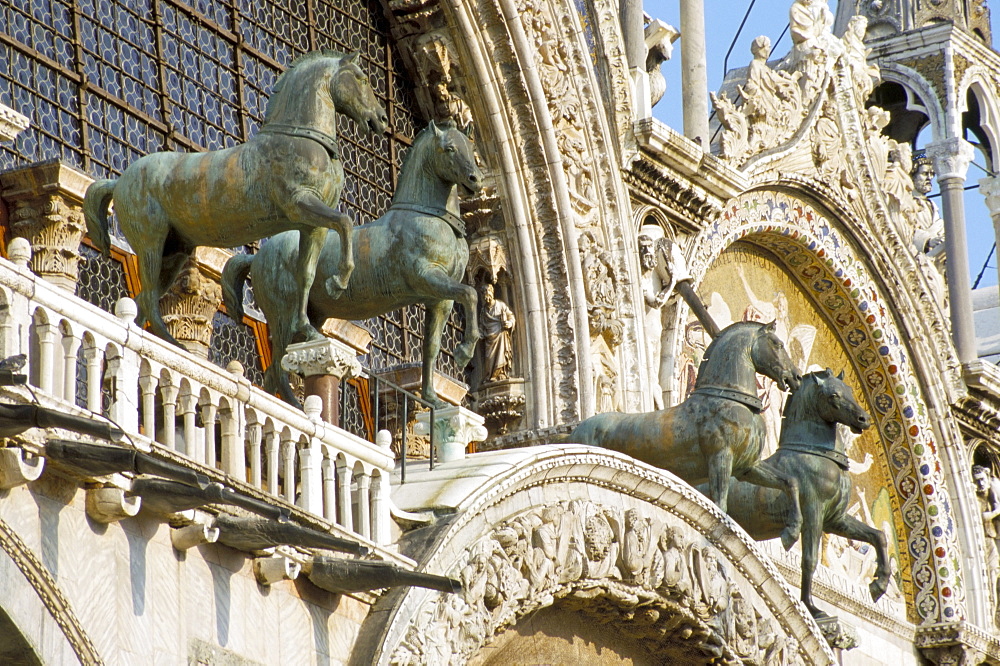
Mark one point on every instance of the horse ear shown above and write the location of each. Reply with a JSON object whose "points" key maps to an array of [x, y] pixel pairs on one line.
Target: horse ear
{"points": [[772, 327], [826, 373], [841, 376], [432, 126], [350, 58]]}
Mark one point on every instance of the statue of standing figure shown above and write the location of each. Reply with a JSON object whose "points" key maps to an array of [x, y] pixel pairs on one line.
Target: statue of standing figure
{"points": [[928, 227], [663, 266], [988, 494], [497, 323]]}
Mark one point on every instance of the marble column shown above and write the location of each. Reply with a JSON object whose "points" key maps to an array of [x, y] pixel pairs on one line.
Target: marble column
{"points": [[990, 189], [694, 79], [951, 159]]}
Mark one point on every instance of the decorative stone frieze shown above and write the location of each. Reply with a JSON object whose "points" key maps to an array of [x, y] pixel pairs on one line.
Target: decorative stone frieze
{"points": [[454, 429], [12, 123], [189, 307], [45, 201]]}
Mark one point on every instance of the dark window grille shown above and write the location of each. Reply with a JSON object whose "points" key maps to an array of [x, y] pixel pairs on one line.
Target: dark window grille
{"points": [[105, 82], [232, 341]]}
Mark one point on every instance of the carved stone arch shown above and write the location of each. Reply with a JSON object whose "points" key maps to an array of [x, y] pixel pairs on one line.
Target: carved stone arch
{"points": [[554, 153], [643, 548], [978, 81], [32, 600], [834, 261], [918, 87]]}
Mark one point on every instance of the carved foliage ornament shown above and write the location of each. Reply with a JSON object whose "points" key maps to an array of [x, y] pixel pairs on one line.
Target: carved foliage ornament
{"points": [[648, 580]]}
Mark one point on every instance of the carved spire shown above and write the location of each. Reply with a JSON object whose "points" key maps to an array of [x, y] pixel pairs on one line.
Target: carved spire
{"points": [[888, 17]]}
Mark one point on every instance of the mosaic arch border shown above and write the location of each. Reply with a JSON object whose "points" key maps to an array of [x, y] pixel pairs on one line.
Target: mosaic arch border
{"points": [[812, 246]]}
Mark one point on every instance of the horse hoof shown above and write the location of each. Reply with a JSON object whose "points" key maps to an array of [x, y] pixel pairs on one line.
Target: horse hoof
{"points": [[817, 613], [788, 538], [877, 589], [335, 288]]}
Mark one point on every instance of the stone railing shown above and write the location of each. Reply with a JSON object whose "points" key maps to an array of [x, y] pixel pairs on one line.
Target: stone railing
{"points": [[81, 359]]}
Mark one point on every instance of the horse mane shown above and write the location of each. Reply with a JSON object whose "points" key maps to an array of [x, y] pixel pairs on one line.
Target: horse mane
{"points": [[800, 401], [420, 142], [279, 85], [730, 331]]}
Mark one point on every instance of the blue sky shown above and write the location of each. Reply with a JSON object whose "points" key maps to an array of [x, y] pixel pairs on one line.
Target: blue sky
{"points": [[769, 17]]}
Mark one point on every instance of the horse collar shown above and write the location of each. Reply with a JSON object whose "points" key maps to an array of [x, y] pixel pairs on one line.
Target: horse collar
{"points": [[454, 221], [751, 401], [829, 454], [322, 138]]}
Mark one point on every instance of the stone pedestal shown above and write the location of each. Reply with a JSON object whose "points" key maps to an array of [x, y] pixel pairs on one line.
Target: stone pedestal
{"points": [[840, 636], [501, 404], [454, 429], [46, 209], [189, 307], [323, 364], [410, 377]]}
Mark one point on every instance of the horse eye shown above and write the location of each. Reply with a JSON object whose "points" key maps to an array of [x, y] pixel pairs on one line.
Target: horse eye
{"points": [[450, 149]]}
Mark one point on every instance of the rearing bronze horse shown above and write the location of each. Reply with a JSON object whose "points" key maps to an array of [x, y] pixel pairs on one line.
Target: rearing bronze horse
{"points": [[718, 431], [288, 176]]}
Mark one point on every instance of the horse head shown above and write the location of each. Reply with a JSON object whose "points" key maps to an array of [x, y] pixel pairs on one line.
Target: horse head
{"points": [[454, 159], [353, 96], [834, 401], [771, 359]]}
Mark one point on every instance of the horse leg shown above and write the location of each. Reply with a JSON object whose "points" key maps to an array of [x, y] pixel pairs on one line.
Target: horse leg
{"points": [[811, 536], [150, 260], [309, 211], [852, 528], [310, 245], [770, 476], [436, 284], [437, 315], [720, 469]]}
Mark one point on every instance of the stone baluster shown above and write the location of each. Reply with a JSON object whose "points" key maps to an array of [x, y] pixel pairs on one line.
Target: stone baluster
{"points": [[990, 189], [254, 432], [380, 509], [71, 345], [363, 522], [344, 507], [329, 489], [168, 394], [311, 490], [147, 390], [272, 448], [125, 370], [288, 468], [208, 411], [45, 334], [951, 159], [189, 411], [234, 459], [46, 209], [92, 356]]}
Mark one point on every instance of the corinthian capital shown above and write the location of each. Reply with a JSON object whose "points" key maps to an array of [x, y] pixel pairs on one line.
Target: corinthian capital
{"points": [[951, 157]]}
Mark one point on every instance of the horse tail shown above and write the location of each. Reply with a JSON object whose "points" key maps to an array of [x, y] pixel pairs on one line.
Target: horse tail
{"points": [[95, 213], [234, 276]]}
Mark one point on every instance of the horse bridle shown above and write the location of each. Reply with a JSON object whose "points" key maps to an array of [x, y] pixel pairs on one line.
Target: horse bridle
{"points": [[322, 138], [454, 221], [751, 401]]}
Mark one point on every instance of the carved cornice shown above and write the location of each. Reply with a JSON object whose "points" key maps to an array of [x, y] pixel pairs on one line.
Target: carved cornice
{"points": [[12, 123], [957, 644]]}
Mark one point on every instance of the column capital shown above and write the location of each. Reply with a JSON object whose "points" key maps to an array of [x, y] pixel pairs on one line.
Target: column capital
{"points": [[951, 157], [989, 187], [322, 357], [454, 429]]}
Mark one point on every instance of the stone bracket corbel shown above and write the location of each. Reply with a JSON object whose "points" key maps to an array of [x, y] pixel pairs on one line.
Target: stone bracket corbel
{"points": [[17, 467], [110, 504], [270, 570], [195, 534]]}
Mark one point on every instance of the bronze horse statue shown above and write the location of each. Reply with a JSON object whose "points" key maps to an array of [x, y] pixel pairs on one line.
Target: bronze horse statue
{"points": [[718, 431], [808, 448], [288, 176], [415, 253]]}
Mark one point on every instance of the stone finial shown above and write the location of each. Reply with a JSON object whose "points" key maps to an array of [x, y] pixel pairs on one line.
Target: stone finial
{"points": [[126, 310], [16, 469], [46, 208], [454, 429], [19, 252], [189, 307], [322, 357]]}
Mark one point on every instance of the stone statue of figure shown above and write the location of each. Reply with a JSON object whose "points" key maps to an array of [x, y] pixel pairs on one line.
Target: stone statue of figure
{"points": [[988, 494], [497, 325], [663, 266], [928, 227]]}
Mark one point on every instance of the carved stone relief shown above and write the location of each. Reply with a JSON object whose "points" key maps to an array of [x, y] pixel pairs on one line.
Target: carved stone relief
{"points": [[662, 585]]}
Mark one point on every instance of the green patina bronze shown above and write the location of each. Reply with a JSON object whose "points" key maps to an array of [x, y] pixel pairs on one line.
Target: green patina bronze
{"points": [[288, 176], [718, 431], [810, 450], [415, 253]]}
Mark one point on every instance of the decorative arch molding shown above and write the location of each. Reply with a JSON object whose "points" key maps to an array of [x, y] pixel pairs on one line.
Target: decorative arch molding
{"points": [[915, 84], [550, 182], [981, 81], [527, 541], [898, 367], [52, 616]]}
